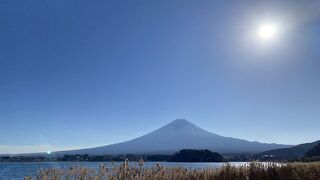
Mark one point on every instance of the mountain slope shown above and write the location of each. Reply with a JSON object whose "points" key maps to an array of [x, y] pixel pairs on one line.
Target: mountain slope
{"points": [[179, 134], [314, 151], [291, 153]]}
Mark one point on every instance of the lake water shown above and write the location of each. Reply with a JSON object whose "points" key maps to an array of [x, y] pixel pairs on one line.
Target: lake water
{"points": [[19, 170]]}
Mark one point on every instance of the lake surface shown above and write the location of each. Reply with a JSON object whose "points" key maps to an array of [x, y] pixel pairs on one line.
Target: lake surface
{"points": [[18, 170]]}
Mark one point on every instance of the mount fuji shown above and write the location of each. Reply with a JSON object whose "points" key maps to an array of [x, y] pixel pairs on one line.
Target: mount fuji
{"points": [[177, 135]]}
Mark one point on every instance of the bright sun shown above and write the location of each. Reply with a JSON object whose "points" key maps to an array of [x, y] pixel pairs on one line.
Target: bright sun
{"points": [[267, 31]]}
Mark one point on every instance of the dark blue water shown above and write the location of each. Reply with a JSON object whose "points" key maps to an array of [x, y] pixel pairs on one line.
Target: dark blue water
{"points": [[19, 170]]}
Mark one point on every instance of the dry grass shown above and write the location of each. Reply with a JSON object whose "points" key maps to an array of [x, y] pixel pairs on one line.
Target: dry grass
{"points": [[252, 171]]}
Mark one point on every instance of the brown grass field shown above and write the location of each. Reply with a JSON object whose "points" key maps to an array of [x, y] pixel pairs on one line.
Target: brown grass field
{"points": [[252, 171]]}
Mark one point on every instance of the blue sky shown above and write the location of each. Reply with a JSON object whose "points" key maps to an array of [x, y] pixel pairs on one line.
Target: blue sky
{"points": [[86, 73]]}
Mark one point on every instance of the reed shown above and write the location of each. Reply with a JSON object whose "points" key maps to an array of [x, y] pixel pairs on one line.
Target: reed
{"points": [[251, 171]]}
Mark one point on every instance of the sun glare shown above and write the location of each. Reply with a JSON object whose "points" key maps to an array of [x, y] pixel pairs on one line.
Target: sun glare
{"points": [[267, 31]]}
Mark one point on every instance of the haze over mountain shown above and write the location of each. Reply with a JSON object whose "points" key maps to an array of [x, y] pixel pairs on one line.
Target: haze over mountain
{"points": [[177, 135]]}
